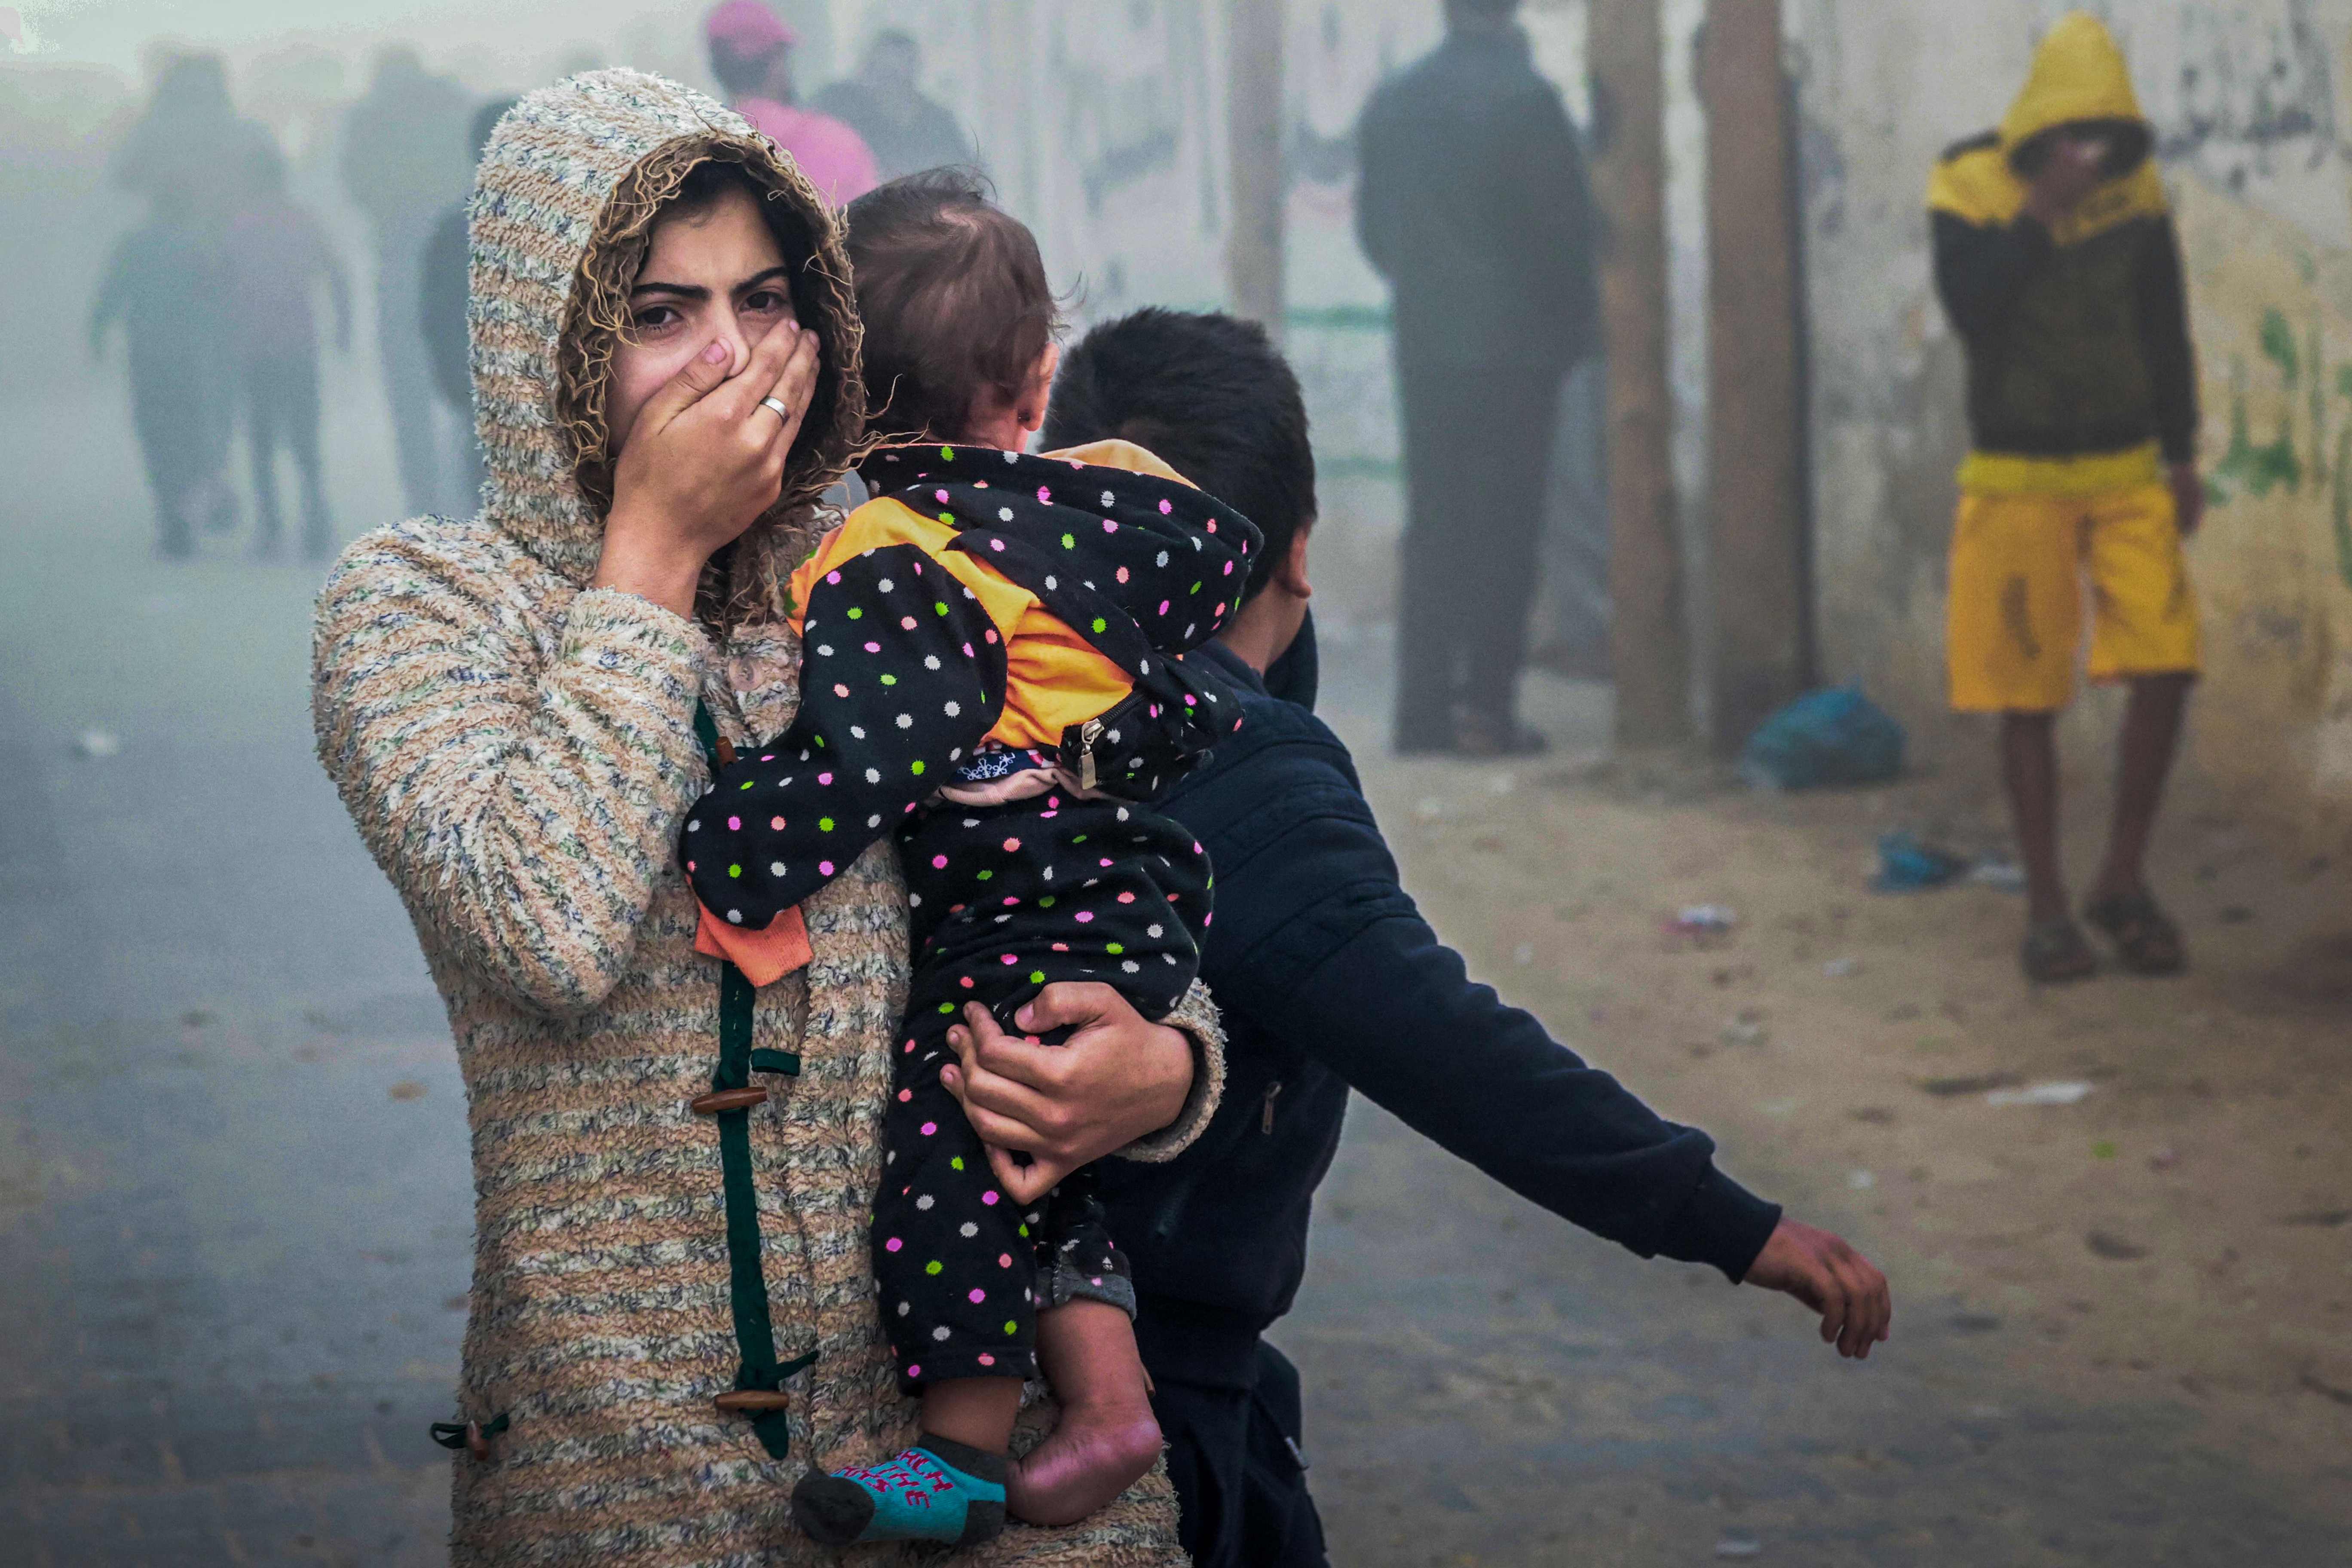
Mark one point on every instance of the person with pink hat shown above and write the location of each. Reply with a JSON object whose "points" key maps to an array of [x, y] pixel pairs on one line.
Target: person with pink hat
{"points": [[751, 55]]}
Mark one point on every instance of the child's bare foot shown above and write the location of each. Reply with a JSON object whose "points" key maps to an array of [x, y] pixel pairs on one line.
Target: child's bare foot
{"points": [[1095, 1454], [1107, 1437]]}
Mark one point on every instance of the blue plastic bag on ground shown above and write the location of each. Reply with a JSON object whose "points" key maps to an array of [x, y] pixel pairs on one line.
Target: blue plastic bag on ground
{"points": [[1834, 736], [1907, 866]]}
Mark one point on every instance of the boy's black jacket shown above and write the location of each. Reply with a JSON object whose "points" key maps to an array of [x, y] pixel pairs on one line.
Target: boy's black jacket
{"points": [[1327, 977]]}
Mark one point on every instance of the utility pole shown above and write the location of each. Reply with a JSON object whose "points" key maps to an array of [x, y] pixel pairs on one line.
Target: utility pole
{"points": [[1253, 150], [1646, 647], [1755, 430]]}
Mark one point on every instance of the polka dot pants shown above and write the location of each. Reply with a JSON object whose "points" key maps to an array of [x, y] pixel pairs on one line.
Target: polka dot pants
{"points": [[1006, 900]]}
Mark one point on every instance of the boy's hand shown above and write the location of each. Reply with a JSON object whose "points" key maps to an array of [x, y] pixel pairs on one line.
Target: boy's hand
{"points": [[1833, 1279], [2074, 170], [1117, 1078], [2188, 498]]}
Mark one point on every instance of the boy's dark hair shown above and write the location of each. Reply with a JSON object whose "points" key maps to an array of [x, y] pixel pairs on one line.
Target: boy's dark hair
{"points": [[954, 298], [1210, 395]]}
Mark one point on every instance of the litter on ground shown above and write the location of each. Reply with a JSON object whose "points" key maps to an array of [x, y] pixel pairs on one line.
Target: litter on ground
{"points": [[2059, 1093], [1907, 866], [1703, 919], [1992, 871]]}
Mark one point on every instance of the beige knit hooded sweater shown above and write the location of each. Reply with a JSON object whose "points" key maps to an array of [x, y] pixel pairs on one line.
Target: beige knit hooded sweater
{"points": [[518, 750]]}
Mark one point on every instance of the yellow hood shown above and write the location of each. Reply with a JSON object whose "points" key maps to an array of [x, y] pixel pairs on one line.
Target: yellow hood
{"points": [[2078, 74]]}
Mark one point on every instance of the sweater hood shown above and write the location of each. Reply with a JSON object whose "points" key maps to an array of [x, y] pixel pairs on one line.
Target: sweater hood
{"points": [[564, 205], [2078, 74]]}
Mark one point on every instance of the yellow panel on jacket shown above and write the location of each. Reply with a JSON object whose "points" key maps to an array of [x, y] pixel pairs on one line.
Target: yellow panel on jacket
{"points": [[2078, 75]]}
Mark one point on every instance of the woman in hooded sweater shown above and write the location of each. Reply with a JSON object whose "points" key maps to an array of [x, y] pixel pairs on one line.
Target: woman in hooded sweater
{"points": [[673, 1313]]}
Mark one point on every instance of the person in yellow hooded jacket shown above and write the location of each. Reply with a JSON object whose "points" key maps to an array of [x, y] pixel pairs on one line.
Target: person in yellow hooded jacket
{"points": [[2056, 260]]}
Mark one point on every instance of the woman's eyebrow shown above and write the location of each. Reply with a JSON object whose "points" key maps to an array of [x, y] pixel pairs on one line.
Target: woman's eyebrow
{"points": [[683, 290], [770, 276]]}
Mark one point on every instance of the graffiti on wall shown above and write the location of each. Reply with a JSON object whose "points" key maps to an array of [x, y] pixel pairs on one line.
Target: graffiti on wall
{"points": [[2300, 450], [2271, 305], [2245, 95], [2259, 91]]}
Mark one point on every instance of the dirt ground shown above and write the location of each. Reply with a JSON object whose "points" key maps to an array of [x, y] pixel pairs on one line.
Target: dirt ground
{"points": [[2121, 1329]]}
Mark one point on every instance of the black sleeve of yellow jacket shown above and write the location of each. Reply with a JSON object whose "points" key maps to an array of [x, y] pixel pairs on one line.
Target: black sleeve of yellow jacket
{"points": [[2164, 341], [1979, 268], [1317, 943]]}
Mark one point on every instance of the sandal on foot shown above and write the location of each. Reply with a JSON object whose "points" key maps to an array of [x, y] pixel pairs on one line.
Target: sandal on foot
{"points": [[2054, 954], [2144, 937]]}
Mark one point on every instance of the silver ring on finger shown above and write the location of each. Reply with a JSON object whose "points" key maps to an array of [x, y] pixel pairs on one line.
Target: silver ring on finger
{"points": [[784, 411]]}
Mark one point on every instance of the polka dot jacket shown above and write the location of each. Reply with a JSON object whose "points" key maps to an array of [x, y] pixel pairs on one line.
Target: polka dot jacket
{"points": [[987, 612], [920, 677]]}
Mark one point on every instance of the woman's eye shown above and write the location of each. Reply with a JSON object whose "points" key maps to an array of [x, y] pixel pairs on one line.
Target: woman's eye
{"points": [[653, 318], [767, 301]]}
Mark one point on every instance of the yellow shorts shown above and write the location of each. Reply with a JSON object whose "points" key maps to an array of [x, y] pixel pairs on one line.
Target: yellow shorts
{"points": [[2018, 580]]}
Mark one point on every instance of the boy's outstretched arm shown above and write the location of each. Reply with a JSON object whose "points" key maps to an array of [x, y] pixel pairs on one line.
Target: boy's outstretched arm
{"points": [[1317, 942]]}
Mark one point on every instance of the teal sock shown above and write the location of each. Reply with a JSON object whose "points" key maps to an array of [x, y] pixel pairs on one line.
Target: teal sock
{"points": [[937, 1490]]}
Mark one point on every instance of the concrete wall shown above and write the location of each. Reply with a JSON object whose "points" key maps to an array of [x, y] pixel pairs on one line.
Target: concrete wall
{"points": [[2248, 98]]}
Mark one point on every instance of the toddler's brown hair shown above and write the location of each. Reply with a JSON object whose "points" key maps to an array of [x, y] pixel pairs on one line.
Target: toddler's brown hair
{"points": [[953, 294]]}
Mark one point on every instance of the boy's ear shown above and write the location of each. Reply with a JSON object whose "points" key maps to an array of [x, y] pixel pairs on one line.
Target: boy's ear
{"points": [[1290, 573]]}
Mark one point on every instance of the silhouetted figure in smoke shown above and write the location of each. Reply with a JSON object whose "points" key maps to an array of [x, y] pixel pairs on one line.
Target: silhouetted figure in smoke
{"points": [[1473, 204], [751, 57], [442, 285], [883, 103], [190, 148], [405, 160], [277, 258], [165, 283]]}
